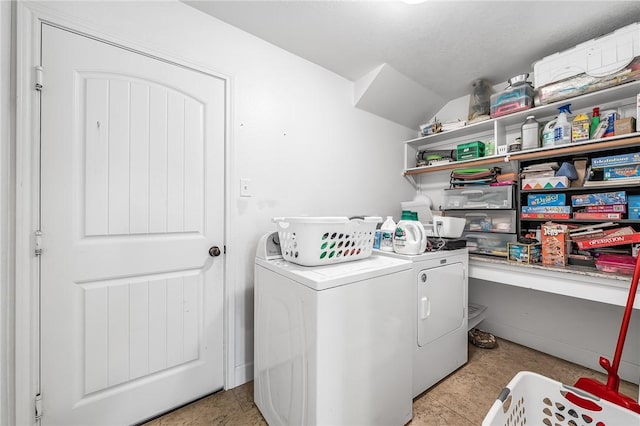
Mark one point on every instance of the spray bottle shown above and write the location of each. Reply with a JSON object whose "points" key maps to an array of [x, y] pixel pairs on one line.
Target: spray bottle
{"points": [[562, 129]]}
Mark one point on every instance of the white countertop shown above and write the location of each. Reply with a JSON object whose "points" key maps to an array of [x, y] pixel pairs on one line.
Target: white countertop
{"points": [[574, 281]]}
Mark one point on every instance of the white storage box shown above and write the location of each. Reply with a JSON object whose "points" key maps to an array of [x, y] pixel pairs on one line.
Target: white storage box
{"points": [[597, 57], [313, 241], [532, 399], [445, 227]]}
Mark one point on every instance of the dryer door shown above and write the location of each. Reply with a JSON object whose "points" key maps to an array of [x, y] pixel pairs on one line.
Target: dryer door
{"points": [[441, 300]]}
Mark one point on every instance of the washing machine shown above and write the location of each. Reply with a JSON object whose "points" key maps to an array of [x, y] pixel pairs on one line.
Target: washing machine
{"points": [[440, 314], [332, 345]]}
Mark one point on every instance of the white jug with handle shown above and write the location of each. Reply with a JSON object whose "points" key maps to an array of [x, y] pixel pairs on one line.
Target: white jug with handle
{"points": [[410, 237]]}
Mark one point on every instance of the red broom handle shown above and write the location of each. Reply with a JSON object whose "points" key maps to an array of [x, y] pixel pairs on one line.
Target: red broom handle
{"points": [[626, 318]]}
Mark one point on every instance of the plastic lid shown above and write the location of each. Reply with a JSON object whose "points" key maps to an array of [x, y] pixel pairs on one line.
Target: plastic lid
{"points": [[596, 111]]}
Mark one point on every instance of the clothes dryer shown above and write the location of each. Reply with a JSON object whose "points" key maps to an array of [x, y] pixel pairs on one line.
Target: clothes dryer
{"points": [[333, 345], [440, 314]]}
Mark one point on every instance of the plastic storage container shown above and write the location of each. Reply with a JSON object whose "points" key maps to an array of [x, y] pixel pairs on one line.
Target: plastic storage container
{"points": [[480, 197], [512, 99], [616, 264], [470, 150], [494, 244], [597, 57], [532, 399], [487, 220], [312, 241]]}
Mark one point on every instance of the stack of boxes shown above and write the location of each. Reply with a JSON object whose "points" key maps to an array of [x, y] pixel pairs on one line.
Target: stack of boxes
{"points": [[602, 205]]}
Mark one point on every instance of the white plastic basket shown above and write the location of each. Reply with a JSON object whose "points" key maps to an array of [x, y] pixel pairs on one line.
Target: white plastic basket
{"points": [[531, 399], [313, 241]]}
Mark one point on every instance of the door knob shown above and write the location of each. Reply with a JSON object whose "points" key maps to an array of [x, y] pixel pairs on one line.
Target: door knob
{"points": [[214, 251]]}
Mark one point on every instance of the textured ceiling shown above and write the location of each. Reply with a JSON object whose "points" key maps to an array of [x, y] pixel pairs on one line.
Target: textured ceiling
{"points": [[442, 45]]}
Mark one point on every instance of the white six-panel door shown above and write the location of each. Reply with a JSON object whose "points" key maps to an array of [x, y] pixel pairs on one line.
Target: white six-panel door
{"points": [[132, 190]]}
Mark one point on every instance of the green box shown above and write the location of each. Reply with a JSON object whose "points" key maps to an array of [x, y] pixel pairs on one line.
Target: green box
{"points": [[470, 150]]}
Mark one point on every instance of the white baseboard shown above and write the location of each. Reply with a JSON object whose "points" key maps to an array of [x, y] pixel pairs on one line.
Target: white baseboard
{"points": [[243, 374]]}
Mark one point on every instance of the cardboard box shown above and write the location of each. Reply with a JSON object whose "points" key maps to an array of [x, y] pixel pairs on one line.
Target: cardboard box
{"points": [[555, 244], [609, 241], [634, 207], [597, 216], [545, 215], [624, 126], [621, 172], [545, 183], [546, 199], [599, 198], [546, 209], [524, 253], [616, 160]]}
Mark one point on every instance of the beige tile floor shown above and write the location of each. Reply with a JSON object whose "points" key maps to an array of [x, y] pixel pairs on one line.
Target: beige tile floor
{"points": [[461, 399]]}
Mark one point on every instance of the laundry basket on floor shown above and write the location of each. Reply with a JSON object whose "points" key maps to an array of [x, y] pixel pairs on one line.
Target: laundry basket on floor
{"points": [[313, 241], [531, 399]]}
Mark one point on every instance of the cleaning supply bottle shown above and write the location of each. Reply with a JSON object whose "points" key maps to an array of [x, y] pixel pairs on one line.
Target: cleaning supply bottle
{"points": [[530, 133], [410, 236], [562, 129], [386, 234], [548, 135], [595, 120], [580, 128]]}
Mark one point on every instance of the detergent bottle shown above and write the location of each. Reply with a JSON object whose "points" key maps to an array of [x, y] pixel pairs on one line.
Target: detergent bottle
{"points": [[410, 236], [387, 230], [548, 136], [562, 128]]}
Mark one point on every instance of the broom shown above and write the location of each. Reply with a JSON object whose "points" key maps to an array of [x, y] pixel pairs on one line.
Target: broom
{"points": [[609, 391]]}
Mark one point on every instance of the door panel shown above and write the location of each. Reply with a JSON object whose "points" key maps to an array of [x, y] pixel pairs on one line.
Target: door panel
{"points": [[441, 301], [132, 187]]}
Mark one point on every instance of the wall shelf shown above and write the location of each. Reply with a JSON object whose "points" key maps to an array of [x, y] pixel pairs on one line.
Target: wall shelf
{"points": [[613, 142], [501, 128]]}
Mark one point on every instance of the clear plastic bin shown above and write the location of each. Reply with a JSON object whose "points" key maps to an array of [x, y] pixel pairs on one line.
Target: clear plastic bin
{"points": [[479, 197]]}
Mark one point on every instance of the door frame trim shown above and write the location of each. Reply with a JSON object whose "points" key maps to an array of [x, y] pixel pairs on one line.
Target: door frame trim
{"points": [[30, 17]]}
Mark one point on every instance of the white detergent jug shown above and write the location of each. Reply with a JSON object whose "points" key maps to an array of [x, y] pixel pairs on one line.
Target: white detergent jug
{"points": [[409, 238]]}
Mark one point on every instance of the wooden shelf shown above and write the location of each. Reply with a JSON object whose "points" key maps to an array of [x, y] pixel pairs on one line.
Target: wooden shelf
{"points": [[613, 142]]}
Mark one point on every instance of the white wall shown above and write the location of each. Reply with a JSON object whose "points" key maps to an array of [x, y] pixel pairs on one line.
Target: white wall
{"points": [[574, 329], [293, 130], [7, 105]]}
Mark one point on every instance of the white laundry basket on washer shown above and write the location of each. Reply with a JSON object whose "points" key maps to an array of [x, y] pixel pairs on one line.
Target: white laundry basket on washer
{"points": [[313, 241]]}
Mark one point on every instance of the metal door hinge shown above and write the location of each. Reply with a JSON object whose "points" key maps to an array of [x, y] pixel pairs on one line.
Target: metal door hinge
{"points": [[39, 76], [224, 250], [37, 242], [38, 406]]}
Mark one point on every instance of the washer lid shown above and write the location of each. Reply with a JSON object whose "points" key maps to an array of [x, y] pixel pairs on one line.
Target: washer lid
{"points": [[329, 276], [429, 255]]}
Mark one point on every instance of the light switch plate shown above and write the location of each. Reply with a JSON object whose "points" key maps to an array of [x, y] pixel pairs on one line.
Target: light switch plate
{"points": [[245, 187]]}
